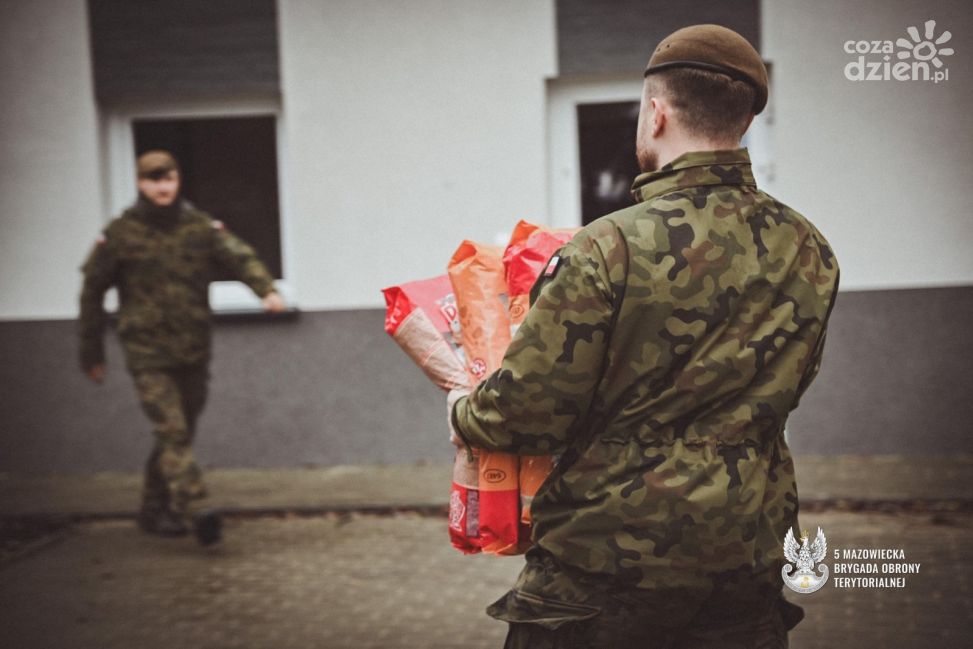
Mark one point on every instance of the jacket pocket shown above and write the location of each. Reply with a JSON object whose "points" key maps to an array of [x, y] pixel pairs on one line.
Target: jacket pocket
{"points": [[520, 607]]}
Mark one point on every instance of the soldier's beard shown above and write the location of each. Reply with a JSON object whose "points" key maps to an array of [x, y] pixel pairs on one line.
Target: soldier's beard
{"points": [[162, 213], [648, 159]]}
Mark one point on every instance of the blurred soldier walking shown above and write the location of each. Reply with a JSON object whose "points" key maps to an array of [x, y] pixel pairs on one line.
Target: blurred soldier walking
{"points": [[161, 254], [667, 345]]}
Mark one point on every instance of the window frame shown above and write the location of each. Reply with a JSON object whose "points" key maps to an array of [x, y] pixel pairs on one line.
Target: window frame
{"points": [[564, 94], [120, 189]]}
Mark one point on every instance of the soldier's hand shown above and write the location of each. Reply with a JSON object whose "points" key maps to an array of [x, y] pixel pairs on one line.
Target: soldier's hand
{"points": [[273, 303], [454, 395], [96, 373]]}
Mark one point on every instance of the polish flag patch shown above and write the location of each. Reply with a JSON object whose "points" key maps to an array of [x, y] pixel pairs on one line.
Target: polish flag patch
{"points": [[552, 266]]}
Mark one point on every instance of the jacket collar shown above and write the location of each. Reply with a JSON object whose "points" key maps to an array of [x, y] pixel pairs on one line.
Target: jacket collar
{"points": [[160, 217], [695, 169]]}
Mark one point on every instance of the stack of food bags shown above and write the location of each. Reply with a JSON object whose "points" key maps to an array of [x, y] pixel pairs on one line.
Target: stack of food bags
{"points": [[476, 272], [422, 318], [457, 328], [530, 248]]}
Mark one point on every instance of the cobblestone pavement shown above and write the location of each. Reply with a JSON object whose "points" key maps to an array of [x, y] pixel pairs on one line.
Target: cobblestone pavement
{"points": [[393, 581]]}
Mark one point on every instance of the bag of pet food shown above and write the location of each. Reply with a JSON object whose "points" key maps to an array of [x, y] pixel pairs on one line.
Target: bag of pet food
{"points": [[525, 257], [477, 275], [422, 318]]}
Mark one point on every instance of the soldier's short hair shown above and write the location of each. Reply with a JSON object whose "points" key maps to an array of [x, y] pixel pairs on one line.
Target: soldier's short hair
{"points": [[708, 104], [155, 164]]}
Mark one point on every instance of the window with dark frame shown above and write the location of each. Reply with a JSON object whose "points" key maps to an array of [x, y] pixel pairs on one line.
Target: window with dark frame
{"points": [[229, 169]]}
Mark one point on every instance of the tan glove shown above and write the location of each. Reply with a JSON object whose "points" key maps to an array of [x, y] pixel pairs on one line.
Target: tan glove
{"points": [[452, 397]]}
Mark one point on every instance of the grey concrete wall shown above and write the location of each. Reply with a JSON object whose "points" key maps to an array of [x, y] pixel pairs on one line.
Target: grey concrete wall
{"points": [[612, 36], [332, 388], [154, 50], [325, 388], [895, 376]]}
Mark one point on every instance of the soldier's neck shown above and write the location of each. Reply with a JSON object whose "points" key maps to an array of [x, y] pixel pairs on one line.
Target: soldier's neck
{"points": [[683, 144], [159, 214]]}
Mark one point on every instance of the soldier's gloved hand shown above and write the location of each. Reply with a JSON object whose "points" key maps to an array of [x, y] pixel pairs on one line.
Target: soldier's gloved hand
{"points": [[454, 395], [273, 302]]}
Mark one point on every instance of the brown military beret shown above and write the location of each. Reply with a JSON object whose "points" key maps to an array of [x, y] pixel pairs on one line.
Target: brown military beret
{"points": [[155, 163], [714, 48]]}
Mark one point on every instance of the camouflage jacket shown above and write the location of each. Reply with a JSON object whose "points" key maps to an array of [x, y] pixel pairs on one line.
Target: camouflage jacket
{"points": [[661, 358], [162, 264]]}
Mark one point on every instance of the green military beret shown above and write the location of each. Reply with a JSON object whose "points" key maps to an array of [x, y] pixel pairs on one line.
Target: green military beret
{"points": [[714, 48], [155, 163]]}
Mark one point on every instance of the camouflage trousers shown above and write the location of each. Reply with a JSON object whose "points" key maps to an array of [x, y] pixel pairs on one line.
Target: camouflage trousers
{"points": [[172, 398], [553, 606], [767, 631]]}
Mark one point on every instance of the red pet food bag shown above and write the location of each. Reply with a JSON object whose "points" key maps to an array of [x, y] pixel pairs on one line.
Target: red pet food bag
{"points": [[422, 318], [525, 257], [477, 276]]}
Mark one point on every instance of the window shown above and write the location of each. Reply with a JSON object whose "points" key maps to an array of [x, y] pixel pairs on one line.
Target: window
{"points": [[606, 146], [231, 157], [229, 169], [592, 146], [591, 154]]}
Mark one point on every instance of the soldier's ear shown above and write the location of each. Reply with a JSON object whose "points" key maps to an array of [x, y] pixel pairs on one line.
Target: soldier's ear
{"points": [[660, 115]]}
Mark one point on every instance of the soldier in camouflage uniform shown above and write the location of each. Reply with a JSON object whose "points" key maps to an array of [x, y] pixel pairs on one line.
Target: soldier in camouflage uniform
{"points": [[161, 254], [666, 346]]}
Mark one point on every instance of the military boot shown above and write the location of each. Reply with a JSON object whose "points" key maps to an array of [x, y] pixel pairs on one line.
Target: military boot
{"points": [[161, 523], [207, 526]]}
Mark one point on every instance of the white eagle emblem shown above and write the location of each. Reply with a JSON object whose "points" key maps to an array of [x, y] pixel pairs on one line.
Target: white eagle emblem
{"points": [[804, 557]]}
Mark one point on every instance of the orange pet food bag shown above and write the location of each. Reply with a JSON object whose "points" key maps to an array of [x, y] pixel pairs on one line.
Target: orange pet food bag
{"points": [[422, 318], [525, 257], [477, 276]]}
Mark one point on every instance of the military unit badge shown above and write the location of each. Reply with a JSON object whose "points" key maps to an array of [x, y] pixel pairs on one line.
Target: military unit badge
{"points": [[803, 556]]}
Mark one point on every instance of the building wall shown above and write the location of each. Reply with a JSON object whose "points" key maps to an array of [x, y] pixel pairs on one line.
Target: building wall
{"points": [[50, 187], [332, 388], [612, 37], [408, 128], [325, 388], [880, 166], [405, 131]]}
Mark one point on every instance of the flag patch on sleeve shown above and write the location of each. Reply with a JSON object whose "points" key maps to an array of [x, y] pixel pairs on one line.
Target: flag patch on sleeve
{"points": [[552, 266]]}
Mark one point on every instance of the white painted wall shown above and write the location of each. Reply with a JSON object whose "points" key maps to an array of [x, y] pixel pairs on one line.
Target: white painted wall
{"points": [[408, 127], [882, 167], [50, 183]]}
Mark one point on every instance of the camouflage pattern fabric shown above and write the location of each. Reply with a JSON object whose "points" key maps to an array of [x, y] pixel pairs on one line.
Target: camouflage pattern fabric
{"points": [[172, 399], [593, 612], [162, 261], [765, 632], [662, 357]]}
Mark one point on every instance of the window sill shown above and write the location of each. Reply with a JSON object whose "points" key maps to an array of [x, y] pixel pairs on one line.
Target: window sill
{"points": [[255, 315]]}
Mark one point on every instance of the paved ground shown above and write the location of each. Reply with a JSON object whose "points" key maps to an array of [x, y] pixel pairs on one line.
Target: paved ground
{"points": [[393, 581], [836, 480], [75, 578]]}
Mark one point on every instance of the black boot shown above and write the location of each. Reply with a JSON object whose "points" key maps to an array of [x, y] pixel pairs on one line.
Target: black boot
{"points": [[161, 523], [208, 527]]}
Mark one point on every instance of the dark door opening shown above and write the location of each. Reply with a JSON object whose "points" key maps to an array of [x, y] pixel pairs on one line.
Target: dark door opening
{"points": [[606, 139], [229, 169]]}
